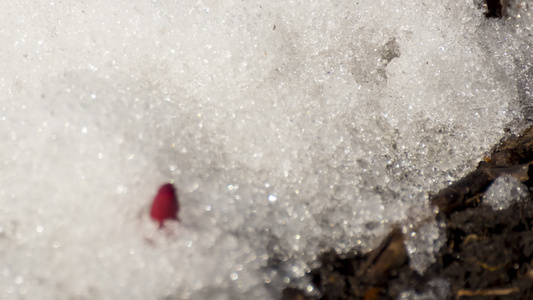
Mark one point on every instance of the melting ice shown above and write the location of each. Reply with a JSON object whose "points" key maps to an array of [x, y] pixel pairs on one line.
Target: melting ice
{"points": [[288, 127]]}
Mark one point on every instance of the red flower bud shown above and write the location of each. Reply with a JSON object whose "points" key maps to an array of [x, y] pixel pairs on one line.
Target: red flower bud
{"points": [[165, 205]]}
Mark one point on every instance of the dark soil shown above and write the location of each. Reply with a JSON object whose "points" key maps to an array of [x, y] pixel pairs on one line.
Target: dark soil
{"points": [[487, 255]]}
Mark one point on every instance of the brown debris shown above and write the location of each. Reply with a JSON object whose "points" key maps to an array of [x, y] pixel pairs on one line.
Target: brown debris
{"points": [[356, 276], [488, 254], [514, 157], [458, 196], [384, 260], [454, 197], [496, 8], [493, 292]]}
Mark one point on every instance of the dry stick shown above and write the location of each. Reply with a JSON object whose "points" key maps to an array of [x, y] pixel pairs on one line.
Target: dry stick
{"points": [[493, 292]]}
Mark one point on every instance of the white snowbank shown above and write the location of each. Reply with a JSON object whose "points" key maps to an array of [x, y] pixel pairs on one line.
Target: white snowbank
{"points": [[288, 127]]}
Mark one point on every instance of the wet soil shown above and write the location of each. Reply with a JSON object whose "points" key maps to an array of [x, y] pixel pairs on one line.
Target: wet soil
{"points": [[488, 253]]}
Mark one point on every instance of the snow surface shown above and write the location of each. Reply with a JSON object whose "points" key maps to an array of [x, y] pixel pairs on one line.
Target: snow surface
{"points": [[288, 127], [505, 190]]}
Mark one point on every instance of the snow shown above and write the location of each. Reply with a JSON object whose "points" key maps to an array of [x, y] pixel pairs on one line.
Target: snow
{"points": [[288, 127], [505, 190]]}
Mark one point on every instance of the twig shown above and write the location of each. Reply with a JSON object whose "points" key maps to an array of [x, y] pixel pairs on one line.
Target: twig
{"points": [[492, 292]]}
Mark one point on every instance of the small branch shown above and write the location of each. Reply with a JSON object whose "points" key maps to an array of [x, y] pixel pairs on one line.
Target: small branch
{"points": [[492, 292]]}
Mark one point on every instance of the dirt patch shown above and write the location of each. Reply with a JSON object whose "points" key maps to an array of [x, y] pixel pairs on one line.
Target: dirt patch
{"points": [[488, 253]]}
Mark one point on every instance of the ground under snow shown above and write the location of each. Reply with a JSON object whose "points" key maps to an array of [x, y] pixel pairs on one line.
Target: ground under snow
{"points": [[287, 126]]}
